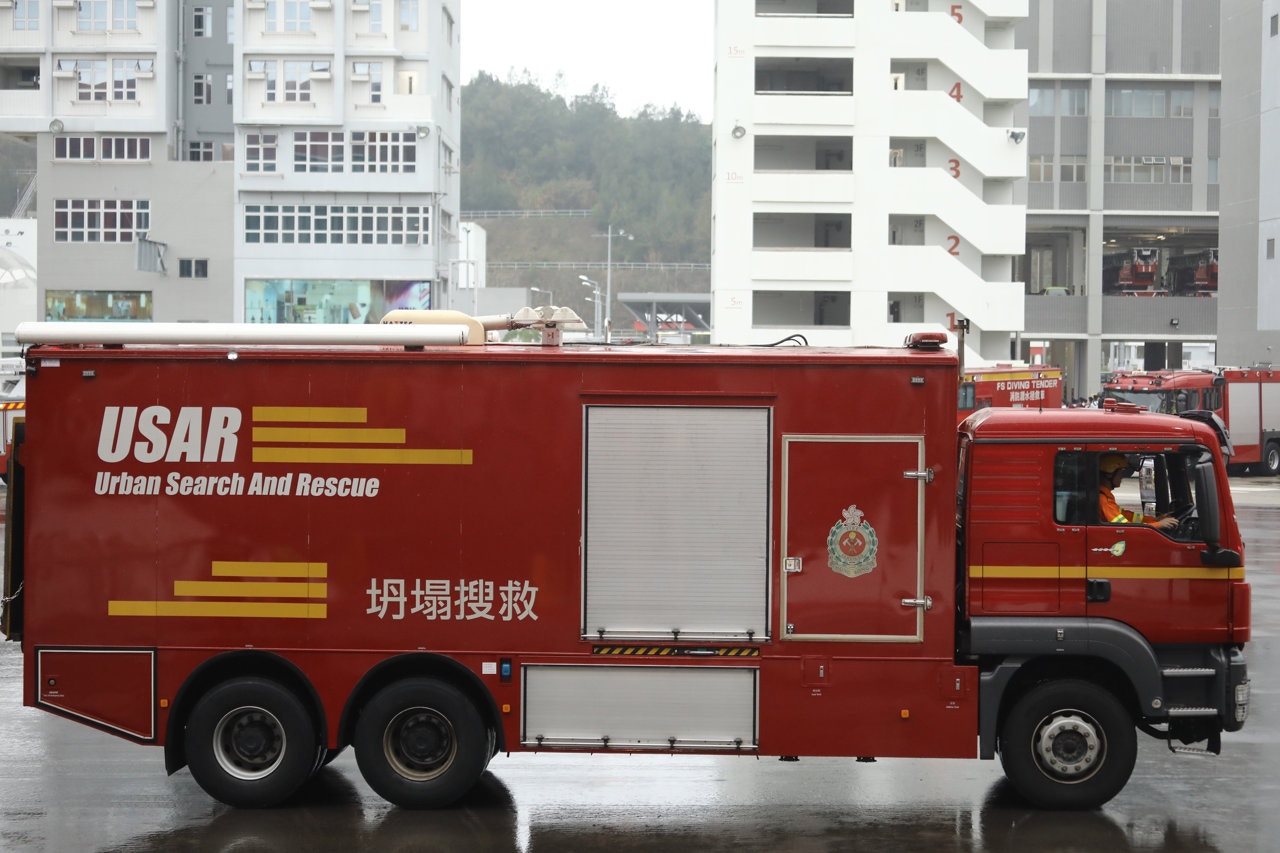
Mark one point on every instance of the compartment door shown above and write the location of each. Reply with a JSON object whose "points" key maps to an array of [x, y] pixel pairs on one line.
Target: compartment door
{"points": [[853, 567]]}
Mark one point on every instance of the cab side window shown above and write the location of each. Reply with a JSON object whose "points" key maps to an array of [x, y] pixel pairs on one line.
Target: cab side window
{"points": [[1075, 499]]}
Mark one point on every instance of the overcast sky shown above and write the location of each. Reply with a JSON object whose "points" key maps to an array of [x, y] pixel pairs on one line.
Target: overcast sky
{"points": [[652, 52]]}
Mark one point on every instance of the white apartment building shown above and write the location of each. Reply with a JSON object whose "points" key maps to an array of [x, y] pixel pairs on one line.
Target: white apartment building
{"points": [[865, 168], [254, 161], [1249, 311]]}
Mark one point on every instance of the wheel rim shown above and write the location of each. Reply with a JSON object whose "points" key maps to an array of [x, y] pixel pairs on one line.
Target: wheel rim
{"points": [[1273, 459], [249, 743], [1069, 746], [419, 743]]}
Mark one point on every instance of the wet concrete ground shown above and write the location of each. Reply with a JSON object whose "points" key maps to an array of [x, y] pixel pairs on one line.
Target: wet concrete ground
{"points": [[64, 787]]}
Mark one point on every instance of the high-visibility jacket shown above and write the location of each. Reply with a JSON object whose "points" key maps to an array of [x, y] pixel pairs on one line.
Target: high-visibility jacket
{"points": [[1113, 514]]}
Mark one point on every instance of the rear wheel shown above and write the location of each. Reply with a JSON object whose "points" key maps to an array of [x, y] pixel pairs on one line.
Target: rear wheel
{"points": [[250, 743], [1068, 745], [420, 743]]}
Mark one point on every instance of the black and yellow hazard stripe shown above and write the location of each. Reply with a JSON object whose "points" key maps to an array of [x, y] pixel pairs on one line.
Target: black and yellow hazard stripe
{"points": [[678, 651]]}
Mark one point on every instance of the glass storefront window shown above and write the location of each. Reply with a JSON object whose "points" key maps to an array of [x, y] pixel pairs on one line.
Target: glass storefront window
{"points": [[334, 301], [97, 305]]}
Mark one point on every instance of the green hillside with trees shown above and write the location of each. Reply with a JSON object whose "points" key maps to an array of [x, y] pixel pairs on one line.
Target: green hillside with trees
{"points": [[524, 148]]}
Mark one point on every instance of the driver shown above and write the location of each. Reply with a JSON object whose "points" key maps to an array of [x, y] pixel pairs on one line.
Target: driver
{"points": [[1112, 469]]}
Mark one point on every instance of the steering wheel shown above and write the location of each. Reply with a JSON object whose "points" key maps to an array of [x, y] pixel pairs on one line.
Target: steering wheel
{"points": [[1181, 512]]}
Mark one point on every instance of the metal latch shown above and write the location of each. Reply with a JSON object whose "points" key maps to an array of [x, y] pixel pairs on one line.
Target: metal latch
{"points": [[791, 565], [926, 602], [926, 475]]}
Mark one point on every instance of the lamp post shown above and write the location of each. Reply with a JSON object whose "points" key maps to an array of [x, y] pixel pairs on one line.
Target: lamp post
{"points": [[595, 291], [608, 275], [548, 293]]}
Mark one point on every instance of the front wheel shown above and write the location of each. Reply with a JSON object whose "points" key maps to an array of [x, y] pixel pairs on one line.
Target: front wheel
{"points": [[250, 743], [1068, 745], [1271, 458], [420, 743]]}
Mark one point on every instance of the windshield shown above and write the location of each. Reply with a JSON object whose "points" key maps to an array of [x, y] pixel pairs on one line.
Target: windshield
{"points": [[1169, 402]]}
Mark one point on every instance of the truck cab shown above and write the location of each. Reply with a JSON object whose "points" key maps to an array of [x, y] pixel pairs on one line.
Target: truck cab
{"points": [[1152, 619]]}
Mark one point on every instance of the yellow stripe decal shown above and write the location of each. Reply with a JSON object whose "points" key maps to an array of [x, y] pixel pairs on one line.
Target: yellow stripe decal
{"points": [[306, 587], [228, 569], [1111, 573], [329, 435], [673, 651], [362, 455], [311, 414], [236, 609], [249, 589]]}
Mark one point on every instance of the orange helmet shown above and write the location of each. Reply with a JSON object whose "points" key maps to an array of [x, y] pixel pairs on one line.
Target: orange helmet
{"points": [[1113, 462]]}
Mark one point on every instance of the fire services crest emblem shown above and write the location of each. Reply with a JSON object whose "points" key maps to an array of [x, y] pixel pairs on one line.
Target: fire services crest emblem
{"points": [[852, 544]]}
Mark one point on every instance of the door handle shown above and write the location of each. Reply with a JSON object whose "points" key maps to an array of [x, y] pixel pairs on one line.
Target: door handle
{"points": [[925, 603], [1097, 589]]}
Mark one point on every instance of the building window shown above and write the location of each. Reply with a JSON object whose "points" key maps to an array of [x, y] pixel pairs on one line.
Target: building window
{"points": [[193, 267], [79, 220], [1180, 103], [1215, 102], [1073, 168], [200, 151], [1075, 101], [409, 15], [370, 74], [1136, 103], [1040, 168], [127, 148], [375, 16], [74, 148], [124, 14], [1179, 170], [264, 70], [1212, 177], [91, 75], [260, 152], [202, 89], [318, 151], [297, 81], [26, 15], [1040, 101], [124, 80], [383, 151], [1271, 248], [231, 86], [1275, 25], [447, 25], [202, 22], [290, 16], [338, 224], [446, 92], [231, 25], [91, 15]]}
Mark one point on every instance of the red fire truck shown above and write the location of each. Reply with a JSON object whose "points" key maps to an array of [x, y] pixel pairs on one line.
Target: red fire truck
{"points": [[1134, 272], [1193, 274], [1247, 399], [255, 555], [1022, 386]]}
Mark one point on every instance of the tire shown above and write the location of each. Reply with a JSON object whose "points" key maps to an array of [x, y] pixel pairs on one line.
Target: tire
{"points": [[420, 743], [1068, 745], [1271, 459], [250, 743]]}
